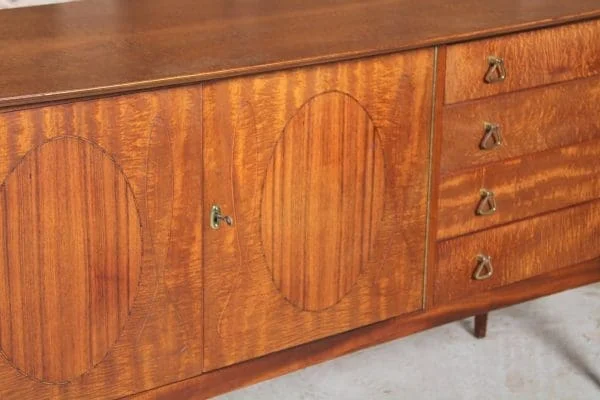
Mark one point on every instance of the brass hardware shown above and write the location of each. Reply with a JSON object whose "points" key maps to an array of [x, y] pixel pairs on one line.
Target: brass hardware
{"points": [[216, 217], [497, 70], [492, 137], [484, 269], [487, 205]]}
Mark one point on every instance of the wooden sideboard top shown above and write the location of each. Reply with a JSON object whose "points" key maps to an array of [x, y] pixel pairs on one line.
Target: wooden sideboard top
{"points": [[92, 47]]}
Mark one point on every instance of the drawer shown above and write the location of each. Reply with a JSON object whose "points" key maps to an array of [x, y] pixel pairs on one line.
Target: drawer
{"points": [[530, 59], [520, 187], [516, 252], [528, 122]]}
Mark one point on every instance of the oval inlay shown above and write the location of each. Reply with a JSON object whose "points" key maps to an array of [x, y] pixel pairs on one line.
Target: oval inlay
{"points": [[321, 202], [71, 254]]}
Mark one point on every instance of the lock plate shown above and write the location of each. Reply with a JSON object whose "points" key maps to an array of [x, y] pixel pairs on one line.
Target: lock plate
{"points": [[216, 217]]}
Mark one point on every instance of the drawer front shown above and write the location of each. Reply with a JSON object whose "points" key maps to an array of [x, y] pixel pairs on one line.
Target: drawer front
{"points": [[529, 59], [517, 252], [527, 122], [520, 188]]}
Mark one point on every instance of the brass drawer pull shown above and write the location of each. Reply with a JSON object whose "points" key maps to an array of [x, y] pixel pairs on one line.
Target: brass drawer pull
{"points": [[484, 269], [487, 205], [497, 70], [216, 217], [492, 136]]}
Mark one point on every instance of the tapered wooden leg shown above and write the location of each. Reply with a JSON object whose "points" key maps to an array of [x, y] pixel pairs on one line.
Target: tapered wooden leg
{"points": [[481, 325]]}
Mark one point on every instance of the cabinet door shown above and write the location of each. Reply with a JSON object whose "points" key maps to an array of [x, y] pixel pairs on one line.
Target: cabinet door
{"points": [[100, 238], [323, 171]]}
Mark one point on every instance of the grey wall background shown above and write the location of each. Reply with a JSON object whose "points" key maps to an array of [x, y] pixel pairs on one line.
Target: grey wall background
{"points": [[26, 3]]}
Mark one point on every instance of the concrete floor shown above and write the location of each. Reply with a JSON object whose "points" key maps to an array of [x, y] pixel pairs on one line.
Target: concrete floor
{"points": [[548, 349]]}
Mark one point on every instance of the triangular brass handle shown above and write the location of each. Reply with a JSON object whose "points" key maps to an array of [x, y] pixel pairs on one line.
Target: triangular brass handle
{"points": [[497, 70], [487, 205], [484, 269], [492, 136]]}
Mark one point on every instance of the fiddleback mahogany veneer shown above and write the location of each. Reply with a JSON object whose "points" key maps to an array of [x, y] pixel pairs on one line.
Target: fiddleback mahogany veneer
{"points": [[532, 59], [523, 187], [530, 121], [63, 189], [518, 251], [204, 195], [324, 172], [101, 246]]}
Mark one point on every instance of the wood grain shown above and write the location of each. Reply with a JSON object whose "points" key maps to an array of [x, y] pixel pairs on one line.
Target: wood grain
{"points": [[100, 277], [327, 171], [532, 59], [519, 251], [246, 314], [69, 262], [250, 372], [322, 201], [531, 121], [523, 187], [93, 47]]}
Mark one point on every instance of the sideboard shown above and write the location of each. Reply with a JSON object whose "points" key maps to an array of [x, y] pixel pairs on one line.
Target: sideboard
{"points": [[200, 196]]}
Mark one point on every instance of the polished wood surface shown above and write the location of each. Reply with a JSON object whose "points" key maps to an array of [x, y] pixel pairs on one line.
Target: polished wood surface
{"points": [[264, 134], [341, 138], [64, 302], [100, 242], [322, 200], [518, 251], [107, 46], [250, 372], [530, 121], [523, 187], [532, 59]]}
